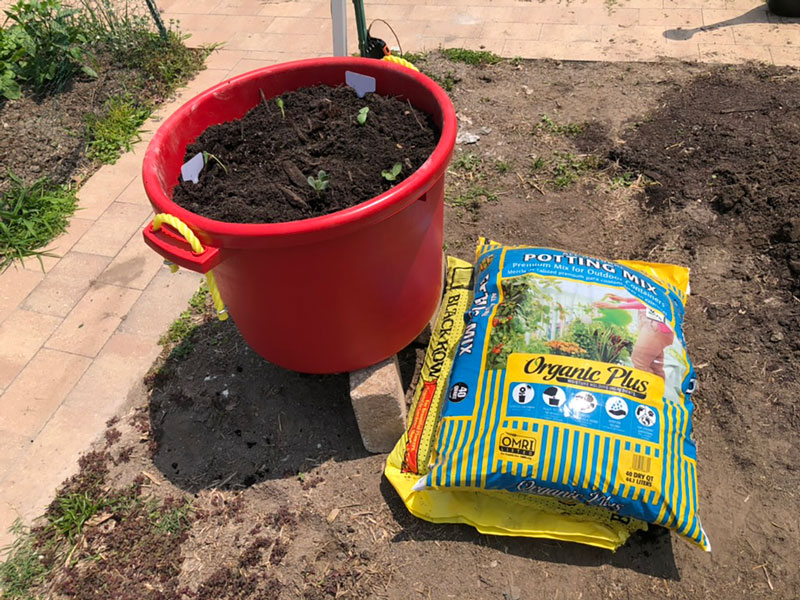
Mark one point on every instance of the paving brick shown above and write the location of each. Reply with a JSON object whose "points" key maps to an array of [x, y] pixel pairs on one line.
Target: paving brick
{"points": [[12, 445], [58, 293], [109, 233], [451, 32], [198, 7], [22, 334], [247, 65], [134, 193], [222, 58], [135, 265], [238, 7], [89, 325], [101, 190], [122, 363], [559, 32], [164, 299], [308, 45], [30, 401], [378, 400], [733, 17], [59, 246], [291, 9], [514, 31], [298, 26], [249, 24], [390, 12], [671, 17], [785, 56], [760, 34], [15, 285], [736, 53], [600, 15], [646, 43], [540, 13], [715, 4], [52, 457]]}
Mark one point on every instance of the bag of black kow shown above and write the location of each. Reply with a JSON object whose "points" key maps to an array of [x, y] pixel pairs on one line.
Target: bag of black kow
{"points": [[571, 382]]}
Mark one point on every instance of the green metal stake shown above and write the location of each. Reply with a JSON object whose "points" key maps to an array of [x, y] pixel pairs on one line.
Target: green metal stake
{"points": [[361, 26]]}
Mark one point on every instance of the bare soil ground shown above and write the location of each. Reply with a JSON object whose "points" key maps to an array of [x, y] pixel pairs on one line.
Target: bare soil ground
{"points": [[671, 162]]}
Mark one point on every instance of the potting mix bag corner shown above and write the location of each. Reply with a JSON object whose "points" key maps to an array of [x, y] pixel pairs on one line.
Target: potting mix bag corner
{"points": [[567, 408]]}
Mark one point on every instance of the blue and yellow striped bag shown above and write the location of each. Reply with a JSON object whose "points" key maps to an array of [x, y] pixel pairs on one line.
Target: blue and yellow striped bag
{"points": [[572, 382]]}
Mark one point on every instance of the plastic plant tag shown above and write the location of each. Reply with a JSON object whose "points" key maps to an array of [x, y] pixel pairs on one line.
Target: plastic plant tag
{"points": [[190, 171], [362, 84]]}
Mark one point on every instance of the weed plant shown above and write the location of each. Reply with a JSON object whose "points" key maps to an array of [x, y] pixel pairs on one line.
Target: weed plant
{"points": [[31, 216]]}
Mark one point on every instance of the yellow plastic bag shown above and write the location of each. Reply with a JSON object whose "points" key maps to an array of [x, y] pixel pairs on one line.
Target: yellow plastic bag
{"points": [[490, 511]]}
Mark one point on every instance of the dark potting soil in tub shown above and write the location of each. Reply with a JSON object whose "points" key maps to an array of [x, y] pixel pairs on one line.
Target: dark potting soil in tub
{"points": [[268, 157]]}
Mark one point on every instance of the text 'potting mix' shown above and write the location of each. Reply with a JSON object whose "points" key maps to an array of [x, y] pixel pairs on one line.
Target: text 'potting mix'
{"points": [[572, 380]]}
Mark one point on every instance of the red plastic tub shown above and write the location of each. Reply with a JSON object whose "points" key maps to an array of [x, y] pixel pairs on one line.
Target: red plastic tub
{"points": [[324, 295]]}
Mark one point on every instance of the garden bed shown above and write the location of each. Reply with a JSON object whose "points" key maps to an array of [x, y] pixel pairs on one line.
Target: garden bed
{"points": [[668, 162]]}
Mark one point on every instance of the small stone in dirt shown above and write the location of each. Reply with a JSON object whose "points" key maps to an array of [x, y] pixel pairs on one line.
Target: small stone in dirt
{"points": [[528, 91], [724, 354], [465, 137], [776, 337], [485, 130]]}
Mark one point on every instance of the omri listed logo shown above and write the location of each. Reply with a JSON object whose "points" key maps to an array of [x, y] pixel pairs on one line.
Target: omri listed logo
{"points": [[516, 445]]}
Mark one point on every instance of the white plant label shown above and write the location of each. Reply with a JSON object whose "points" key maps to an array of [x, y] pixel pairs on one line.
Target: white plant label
{"points": [[362, 84], [190, 171]]}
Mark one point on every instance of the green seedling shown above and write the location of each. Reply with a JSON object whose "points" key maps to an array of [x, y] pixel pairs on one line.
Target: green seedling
{"points": [[208, 156], [362, 115], [391, 174], [319, 183], [279, 102]]}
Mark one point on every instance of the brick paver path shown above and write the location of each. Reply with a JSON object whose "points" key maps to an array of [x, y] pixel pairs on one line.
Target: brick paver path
{"points": [[75, 340]]}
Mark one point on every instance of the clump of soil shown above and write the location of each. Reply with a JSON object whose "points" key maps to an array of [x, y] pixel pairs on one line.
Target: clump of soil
{"points": [[735, 151], [261, 163]]}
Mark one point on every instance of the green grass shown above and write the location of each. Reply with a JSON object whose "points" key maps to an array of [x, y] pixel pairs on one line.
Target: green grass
{"points": [[466, 161], [448, 81], [22, 568], [568, 168], [31, 216], [567, 129], [115, 130], [471, 57], [473, 196], [71, 513], [163, 65], [169, 519], [415, 57], [538, 164], [503, 166]]}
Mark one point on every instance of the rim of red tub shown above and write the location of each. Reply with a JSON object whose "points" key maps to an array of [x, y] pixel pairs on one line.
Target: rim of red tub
{"points": [[224, 234]]}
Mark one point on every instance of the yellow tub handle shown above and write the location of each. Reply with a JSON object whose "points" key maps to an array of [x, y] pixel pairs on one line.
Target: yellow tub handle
{"points": [[400, 61], [197, 248]]}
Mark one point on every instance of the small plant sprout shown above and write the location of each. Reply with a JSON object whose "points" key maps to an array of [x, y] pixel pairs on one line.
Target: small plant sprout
{"points": [[279, 102], [207, 156], [362, 115], [319, 183], [391, 174]]}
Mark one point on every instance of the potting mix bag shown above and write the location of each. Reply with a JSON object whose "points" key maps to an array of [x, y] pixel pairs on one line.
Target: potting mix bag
{"points": [[570, 384], [490, 511]]}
